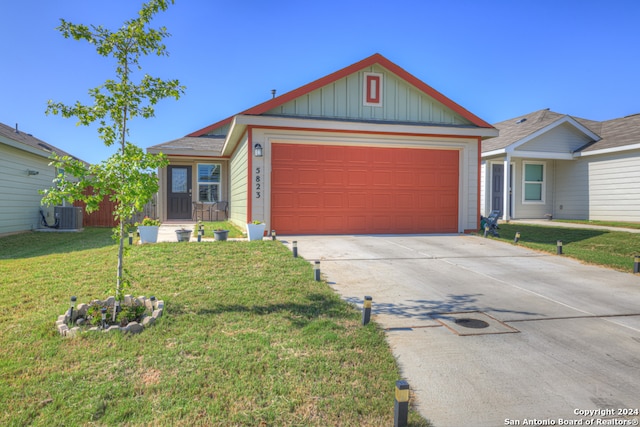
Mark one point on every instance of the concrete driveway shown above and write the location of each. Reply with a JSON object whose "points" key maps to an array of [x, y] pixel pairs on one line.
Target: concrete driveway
{"points": [[490, 334]]}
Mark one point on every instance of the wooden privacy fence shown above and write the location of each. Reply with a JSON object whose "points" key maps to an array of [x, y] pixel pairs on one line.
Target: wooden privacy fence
{"points": [[103, 217]]}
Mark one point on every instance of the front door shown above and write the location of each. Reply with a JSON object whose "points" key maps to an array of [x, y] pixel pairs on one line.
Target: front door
{"points": [[497, 187], [179, 192]]}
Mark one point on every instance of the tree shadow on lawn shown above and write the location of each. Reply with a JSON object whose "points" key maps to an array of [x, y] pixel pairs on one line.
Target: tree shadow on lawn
{"points": [[34, 243], [431, 309], [300, 313]]}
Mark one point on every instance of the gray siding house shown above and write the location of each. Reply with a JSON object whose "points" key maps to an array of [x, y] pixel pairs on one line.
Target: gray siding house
{"points": [[546, 163], [24, 171]]}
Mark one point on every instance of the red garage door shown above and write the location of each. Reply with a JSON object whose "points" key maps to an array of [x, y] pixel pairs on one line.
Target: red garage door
{"points": [[324, 189]]}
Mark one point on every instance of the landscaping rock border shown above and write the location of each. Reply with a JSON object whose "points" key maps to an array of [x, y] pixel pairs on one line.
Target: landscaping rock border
{"points": [[79, 317]]}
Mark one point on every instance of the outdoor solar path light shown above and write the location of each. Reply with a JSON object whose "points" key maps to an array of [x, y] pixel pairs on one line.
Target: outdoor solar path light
{"points": [[71, 305], [200, 235], [486, 229], [130, 238], [103, 310], [153, 302], [273, 234], [366, 310], [401, 405], [559, 247], [636, 264], [316, 270], [295, 249], [515, 240]]}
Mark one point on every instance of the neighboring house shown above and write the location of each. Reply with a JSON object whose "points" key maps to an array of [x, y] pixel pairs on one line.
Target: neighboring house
{"points": [[563, 166], [367, 149], [24, 171]]}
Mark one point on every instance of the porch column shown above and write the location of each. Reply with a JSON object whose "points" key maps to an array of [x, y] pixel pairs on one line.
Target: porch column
{"points": [[506, 189]]}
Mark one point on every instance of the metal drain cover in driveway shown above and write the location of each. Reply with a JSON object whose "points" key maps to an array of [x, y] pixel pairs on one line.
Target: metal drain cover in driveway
{"points": [[473, 323]]}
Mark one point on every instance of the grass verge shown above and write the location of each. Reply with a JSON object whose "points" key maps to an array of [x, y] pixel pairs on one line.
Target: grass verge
{"points": [[613, 249], [249, 339], [620, 224]]}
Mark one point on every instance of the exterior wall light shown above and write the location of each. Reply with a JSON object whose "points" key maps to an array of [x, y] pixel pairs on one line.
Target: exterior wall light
{"points": [[257, 150]]}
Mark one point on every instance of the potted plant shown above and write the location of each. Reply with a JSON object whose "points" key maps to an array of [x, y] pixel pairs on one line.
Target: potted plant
{"points": [[255, 230], [183, 235], [148, 229], [220, 234]]}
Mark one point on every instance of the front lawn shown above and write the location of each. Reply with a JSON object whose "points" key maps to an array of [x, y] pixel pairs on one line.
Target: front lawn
{"points": [[248, 339], [613, 249]]}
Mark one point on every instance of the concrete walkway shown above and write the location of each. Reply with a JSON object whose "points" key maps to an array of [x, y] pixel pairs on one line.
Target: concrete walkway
{"points": [[167, 231]]}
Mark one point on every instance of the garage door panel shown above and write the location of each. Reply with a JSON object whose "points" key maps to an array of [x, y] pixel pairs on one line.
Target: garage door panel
{"points": [[283, 199], [333, 154], [382, 200], [357, 224], [384, 222], [355, 190], [357, 177], [308, 200], [309, 177], [383, 178], [333, 200], [404, 200], [285, 176], [333, 177], [357, 201], [404, 179]]}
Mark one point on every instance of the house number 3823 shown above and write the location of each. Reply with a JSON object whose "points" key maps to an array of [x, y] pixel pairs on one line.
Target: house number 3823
{"points": [[258, 183]]}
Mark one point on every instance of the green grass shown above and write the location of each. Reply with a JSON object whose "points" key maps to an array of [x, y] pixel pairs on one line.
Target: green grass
{"points": [[613, 249], [248, 339], [634, 225], [234, 231]]}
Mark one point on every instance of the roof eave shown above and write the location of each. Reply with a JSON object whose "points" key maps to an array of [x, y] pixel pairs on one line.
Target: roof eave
{"points": [[341, 125], [607, 150], [25, 147]]}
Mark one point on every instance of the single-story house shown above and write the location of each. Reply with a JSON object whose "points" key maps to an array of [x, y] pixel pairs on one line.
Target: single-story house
{"points": [[24, 171], [552, 164], [367, 149]]}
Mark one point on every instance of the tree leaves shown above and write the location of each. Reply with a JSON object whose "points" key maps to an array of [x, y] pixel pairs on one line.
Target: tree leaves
{"points": [[129, 176]]}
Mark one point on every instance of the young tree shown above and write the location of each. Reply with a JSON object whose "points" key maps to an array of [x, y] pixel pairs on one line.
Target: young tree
{"points": [[128, 177]]}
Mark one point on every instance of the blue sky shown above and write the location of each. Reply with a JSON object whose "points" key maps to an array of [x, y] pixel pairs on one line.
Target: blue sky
{"points": [[498, 59]]}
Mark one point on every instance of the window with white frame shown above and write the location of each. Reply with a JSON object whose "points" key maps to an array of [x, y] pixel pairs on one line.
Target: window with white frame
{"points": [[209, 183], [533, 182]]}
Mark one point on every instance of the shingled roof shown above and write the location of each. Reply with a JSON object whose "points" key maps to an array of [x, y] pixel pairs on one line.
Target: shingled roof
{"points": [[44, 148], [614, 133], [192, 145], [617, 133]]}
